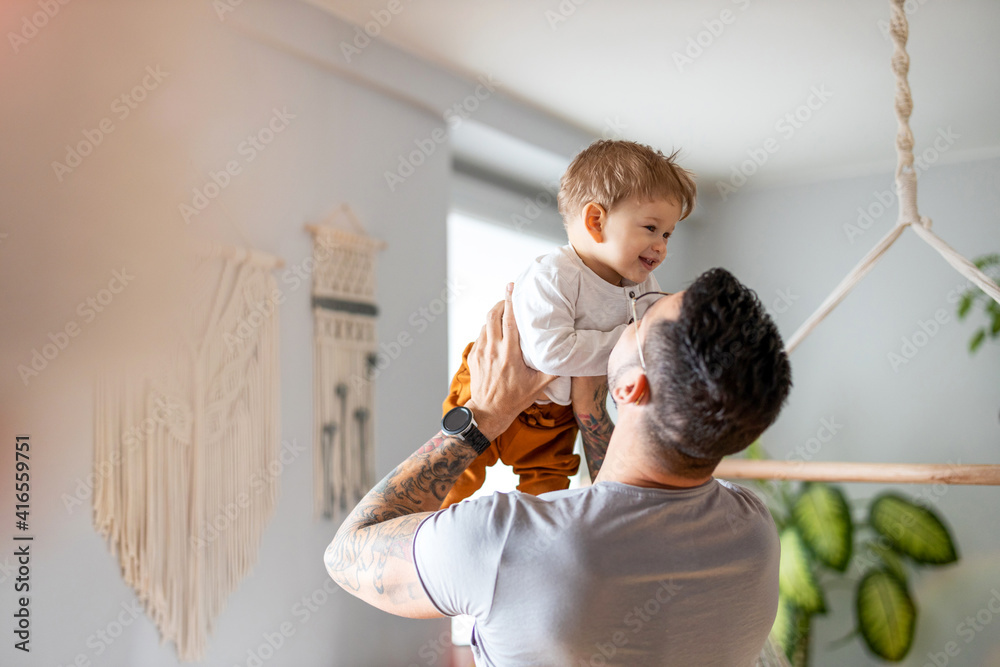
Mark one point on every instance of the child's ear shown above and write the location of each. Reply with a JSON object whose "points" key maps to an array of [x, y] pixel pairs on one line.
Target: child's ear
{"points": [[594, 219]]}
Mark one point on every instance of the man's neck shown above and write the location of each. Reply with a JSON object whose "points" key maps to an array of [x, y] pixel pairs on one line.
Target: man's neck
{"points": [[629, 461]]}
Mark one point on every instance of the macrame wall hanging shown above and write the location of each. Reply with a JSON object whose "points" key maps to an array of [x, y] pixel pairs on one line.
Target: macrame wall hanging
{"points": [[184, 456], [343, 302]]}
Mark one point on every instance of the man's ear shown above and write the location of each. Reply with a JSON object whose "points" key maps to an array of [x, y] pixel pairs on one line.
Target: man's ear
{"points": [[631, 388], [594, 219]]}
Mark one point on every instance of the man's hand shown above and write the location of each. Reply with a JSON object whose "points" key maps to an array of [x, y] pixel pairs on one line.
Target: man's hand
{"points": [[371, 556], [501, 384]]}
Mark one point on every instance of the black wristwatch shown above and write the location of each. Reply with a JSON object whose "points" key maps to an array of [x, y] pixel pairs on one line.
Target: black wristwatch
{"points": [[460, 423]]}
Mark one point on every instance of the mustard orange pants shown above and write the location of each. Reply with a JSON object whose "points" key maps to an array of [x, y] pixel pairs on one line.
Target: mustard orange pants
{"points": [[538, 445]]}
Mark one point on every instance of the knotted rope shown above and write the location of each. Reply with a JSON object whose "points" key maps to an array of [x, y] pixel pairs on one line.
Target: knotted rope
{"points": [[906, 188]]}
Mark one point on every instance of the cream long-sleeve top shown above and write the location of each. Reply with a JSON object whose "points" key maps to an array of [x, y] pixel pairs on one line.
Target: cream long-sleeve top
{"points": [[569, 318]]}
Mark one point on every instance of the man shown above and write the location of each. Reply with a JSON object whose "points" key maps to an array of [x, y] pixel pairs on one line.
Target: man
{"points": [[656, 563]]}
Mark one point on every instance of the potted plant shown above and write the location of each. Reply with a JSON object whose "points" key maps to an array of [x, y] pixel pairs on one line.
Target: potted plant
{"points": [[822, 542]]}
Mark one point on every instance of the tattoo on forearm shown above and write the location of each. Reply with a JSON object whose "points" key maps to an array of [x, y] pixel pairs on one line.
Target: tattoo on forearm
{"points": [[369, 538], [595, 430]]}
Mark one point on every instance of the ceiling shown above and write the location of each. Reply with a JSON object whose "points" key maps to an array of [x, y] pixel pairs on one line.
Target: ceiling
{"points": [[723, 80]]}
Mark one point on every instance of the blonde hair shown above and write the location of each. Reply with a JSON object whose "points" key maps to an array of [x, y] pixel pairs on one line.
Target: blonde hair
{"points": [[608, 172]]}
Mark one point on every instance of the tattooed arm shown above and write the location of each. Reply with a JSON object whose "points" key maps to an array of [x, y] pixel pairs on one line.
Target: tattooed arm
{"points": [[589, 396], [371, 556]]}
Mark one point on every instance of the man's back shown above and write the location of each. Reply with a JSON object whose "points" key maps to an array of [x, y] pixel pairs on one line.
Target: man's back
{"points": [[610, 574]]}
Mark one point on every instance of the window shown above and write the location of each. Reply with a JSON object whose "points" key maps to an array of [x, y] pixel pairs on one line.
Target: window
{"points": [[482, 258]]}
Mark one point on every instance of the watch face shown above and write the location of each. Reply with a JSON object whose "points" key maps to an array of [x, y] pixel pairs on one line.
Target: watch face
{"points": [[456, 420]]}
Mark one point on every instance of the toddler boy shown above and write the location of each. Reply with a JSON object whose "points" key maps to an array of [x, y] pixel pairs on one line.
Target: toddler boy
{"points": [[620, 202]]}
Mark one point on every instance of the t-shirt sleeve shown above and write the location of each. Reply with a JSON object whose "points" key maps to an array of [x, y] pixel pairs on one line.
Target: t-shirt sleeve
{"points": [[457, 553], [545, 309]]}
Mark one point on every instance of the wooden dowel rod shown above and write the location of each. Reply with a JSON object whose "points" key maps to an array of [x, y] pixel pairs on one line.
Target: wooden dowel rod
{"points": [[888, 473], [323, 230]]}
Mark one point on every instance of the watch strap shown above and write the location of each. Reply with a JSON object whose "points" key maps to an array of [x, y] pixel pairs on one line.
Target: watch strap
{"points": [[476, 439]]}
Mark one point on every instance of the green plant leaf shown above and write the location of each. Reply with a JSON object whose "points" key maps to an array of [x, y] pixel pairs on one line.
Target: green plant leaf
{"points": [[824, 520], [892, 561], [790, 632], [755, 451], [887, 617], [912, 530], [785, 625], [977, 340], [965, 305], [795, 577], [986, 260]]}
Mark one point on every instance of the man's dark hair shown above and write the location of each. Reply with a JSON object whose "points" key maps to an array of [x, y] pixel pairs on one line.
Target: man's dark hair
{"points": [[718, 374]]}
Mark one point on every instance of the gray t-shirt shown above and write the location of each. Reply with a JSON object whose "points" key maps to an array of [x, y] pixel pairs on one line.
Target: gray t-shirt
{"points": [[610, 574]]}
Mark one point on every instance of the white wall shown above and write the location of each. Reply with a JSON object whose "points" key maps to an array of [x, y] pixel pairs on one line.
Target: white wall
{"points": [[60, 240], [942, 406], [120, 207]]}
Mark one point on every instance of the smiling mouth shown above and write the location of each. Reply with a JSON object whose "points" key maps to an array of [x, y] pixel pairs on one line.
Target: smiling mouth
{"points": [[648, 263]]}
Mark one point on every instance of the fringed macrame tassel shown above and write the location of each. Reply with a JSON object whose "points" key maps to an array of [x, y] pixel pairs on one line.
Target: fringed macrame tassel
{"points": [[186, 459]]}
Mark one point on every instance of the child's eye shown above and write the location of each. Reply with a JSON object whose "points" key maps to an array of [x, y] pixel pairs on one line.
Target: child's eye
{"points": [[666, 235], [651, 228]]}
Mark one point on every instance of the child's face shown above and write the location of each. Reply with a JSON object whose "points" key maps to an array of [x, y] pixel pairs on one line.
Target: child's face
{"points": [[634, 238]]}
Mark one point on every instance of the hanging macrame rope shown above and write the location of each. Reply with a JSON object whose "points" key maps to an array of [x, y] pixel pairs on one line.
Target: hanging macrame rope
{"points": [[906, 187], [344, 365], [909, 216], [184, 456]]}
